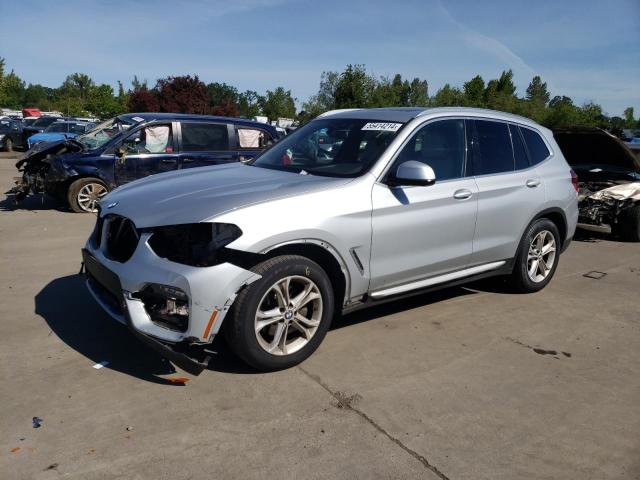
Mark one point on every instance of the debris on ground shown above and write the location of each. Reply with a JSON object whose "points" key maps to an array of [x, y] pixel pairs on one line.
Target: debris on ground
{"points": [[129, 428], [15, 450], [179, 380], [101, 364], [36, 422], [53, 466]]}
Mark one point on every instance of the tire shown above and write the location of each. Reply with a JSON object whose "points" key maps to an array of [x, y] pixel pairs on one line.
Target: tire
{"points": [[521, 280], [252, 344], [628, 225], [83, 188], [8, 145]]}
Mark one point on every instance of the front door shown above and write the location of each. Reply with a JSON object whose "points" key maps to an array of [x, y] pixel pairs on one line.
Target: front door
{"points": [[147, 151], [420, 232]]}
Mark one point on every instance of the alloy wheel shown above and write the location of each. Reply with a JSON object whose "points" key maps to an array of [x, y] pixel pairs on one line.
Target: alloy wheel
{"points": [[89, 196], [541, 256], [288, 315]]}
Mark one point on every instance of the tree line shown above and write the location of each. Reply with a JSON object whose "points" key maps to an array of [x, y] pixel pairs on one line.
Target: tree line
{"points": [[354, 87]]}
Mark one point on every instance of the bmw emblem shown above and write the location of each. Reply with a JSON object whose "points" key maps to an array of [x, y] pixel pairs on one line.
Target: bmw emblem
{"points": [[111, 205]]}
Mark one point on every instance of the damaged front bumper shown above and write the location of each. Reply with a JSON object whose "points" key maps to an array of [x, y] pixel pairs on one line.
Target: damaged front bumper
{"points": [[603, 207], [210, 292]]}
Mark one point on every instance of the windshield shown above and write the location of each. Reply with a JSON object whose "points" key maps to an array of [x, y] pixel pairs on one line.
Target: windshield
{"points": [[104, 132], [331, 147], [4, 126], [44, 121], [28, 122]]}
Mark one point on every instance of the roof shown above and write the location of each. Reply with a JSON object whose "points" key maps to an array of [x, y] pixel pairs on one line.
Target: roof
{"points": [[404, 114], [149, 116]]}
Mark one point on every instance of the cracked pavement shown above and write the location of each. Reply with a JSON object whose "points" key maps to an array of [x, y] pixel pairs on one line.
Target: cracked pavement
{"points": [[465, 383]]}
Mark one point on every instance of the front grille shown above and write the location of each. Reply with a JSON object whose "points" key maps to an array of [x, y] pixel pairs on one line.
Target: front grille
{"points": [[121, 238], [96, 236]]}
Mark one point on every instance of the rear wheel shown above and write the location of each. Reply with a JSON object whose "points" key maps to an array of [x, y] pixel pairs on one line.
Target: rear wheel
{"points": [[8, 145], [628, 226], [85, 193], [281, 319], [537, 258]]}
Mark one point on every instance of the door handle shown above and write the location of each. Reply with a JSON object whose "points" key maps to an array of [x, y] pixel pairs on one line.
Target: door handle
{"points": [[188, 160], [533, 183], [169, 160], [462, 194]]}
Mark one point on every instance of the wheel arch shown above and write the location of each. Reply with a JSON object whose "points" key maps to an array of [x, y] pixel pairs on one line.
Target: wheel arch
{"points": [[559, 219], [325, 255]]}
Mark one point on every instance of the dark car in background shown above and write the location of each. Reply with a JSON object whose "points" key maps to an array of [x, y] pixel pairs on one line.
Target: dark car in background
{"points": [[132, 146], [60, 130], [10, 133], [37, 126], [608, 173]]}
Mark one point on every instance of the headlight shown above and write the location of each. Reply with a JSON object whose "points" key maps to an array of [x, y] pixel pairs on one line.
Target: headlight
{"points": [[195, 244], [2, 136]]}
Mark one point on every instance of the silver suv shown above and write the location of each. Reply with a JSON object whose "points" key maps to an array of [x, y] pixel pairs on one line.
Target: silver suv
{"points": [[353, 209]]}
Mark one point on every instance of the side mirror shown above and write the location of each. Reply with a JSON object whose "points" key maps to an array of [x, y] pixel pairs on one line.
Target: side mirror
{"points": [[413, 172], [120, 152]]}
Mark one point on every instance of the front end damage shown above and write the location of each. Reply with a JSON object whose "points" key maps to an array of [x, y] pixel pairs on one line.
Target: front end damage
{"points": [[40, 172], [175, 308], [603, 205]]}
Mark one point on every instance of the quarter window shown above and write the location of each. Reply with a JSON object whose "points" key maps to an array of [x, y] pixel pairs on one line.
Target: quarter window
{"points": [[519, 151], [538, 150], [441, 145], [491, 147], [204, 137]]}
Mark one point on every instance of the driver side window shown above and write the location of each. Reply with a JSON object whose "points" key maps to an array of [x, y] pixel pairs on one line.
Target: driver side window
{"points": [[441, 145], [148, 140]]}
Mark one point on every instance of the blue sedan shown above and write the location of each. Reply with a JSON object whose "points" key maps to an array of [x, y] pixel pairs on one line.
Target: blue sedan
{"points": [[60, 131]]}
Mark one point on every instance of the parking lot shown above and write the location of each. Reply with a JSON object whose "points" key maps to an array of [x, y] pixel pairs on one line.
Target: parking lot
{"points": [[466, 383]]}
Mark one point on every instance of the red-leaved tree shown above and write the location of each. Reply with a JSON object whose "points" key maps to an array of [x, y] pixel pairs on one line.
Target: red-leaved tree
{"points": [[184, 94]]}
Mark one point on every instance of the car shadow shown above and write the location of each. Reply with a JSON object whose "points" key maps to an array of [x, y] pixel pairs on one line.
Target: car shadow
{"points": [[32, 203], [491, 285], [74, 316]]}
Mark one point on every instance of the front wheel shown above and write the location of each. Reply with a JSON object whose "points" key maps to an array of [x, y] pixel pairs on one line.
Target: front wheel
{"points": [[628, 226], [85, 193], [281, 319], [537, 258]]}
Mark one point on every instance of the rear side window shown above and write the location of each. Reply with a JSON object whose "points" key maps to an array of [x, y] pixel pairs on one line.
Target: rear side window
{"points": [[204, 137], [538, 150], [519, 151], [491, 147], [253, 138]]}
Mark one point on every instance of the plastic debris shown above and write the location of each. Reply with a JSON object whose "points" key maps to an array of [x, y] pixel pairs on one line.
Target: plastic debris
{"points": [[129, 428], [181, 380], [103, 363], [36, 422], [15, 449]]}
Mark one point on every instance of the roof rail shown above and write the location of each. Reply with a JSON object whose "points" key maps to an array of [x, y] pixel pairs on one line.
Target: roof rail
{"points": [[330, 112]]}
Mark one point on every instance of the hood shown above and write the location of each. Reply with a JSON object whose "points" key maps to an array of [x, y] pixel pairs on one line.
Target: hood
{"points": [[42, 150], [198, 194], [51, 136], [583, 146]]}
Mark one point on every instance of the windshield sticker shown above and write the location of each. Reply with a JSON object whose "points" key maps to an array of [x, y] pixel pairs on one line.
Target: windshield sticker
{"points": [[382, 127], [137, 119]]}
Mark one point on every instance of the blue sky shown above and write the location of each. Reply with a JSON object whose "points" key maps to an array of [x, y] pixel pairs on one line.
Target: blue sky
{"points": [[588, 50]]}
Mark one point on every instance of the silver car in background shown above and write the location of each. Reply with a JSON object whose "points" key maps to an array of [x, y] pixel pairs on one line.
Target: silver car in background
{"points": [[405, 200]]}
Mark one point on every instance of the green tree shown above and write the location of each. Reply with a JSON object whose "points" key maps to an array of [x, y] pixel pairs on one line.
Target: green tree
{"points": [[474, 92], [12, 91], [447, 96], [102, 102], [278, 103], [221, 92], [354, 88], [324, 100], [628, 118], [418, 93], [537, 91], [248, 104]]}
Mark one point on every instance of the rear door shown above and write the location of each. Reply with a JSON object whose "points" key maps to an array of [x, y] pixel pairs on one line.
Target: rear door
{"points": [[148, 150], [510, 191], [205, 143]]}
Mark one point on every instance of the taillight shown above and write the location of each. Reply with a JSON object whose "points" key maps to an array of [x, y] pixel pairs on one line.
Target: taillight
{"points": [[574, 180]]}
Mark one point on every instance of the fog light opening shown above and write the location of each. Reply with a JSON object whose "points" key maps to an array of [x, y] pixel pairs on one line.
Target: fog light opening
{"points": [[166, 306]]}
